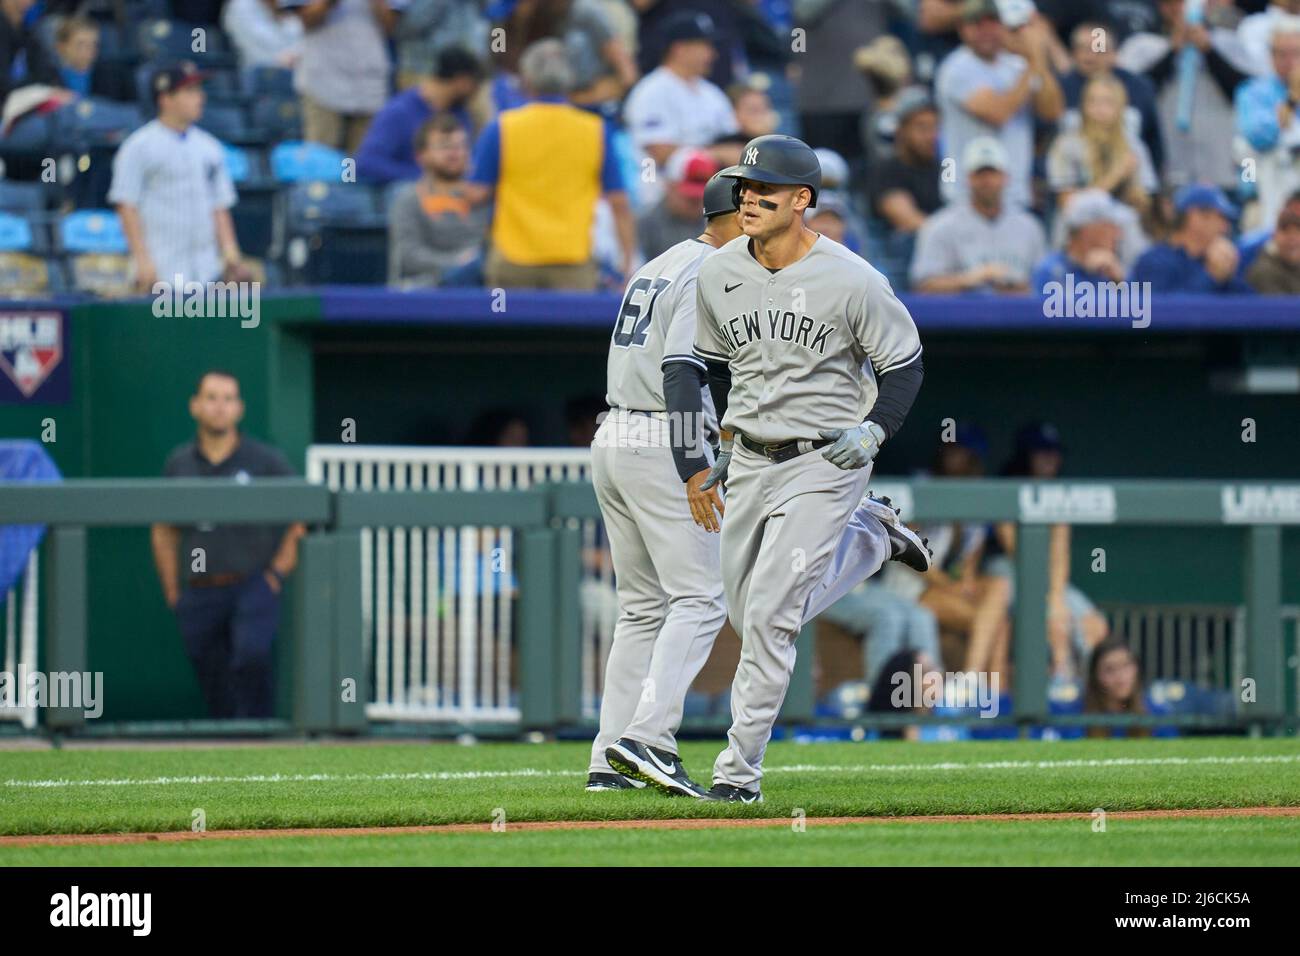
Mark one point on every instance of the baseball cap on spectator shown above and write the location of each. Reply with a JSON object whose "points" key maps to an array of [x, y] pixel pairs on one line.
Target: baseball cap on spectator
{"points": [[171, 78], [969, 435], [984, 152], [690, 170], [835, 171], [973, 10], [1039, 436], [911, 101], [688, 25], [1091, 205], [833, 202], [1202, 196]]}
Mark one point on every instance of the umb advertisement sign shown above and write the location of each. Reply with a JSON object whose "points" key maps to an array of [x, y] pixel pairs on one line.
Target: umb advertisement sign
{"points": [[33, 356]]}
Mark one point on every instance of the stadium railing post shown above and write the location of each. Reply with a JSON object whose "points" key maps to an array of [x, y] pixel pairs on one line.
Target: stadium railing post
{"points": [[349, 657], [314, 643], [568, 625], [537, 629], [65, 615], [1263, 585], [1029, 643]]}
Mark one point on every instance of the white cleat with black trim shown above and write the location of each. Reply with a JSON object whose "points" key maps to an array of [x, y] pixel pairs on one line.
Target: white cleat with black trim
{"points": [[909, 548]]}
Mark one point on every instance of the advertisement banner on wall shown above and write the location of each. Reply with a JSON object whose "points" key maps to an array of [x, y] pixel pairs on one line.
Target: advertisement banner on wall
{"points": [[34, 361]]}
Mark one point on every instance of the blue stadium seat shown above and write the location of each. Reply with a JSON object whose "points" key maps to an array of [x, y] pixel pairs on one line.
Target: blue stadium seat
{"points": [[314, 204], [167, 40], [93, 121], [92, 231], [272, 81], [298, 162], [225, 121], [24, 197], [224, 86], [278, 119], [239, 163], [349, 254], [31, 137], [15, 233], [254, 214]]}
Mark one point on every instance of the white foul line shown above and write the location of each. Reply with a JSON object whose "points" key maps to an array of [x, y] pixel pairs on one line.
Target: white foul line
{"points": [[528, 772]]}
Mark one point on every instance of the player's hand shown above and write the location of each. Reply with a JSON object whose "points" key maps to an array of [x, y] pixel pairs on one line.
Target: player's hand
{"points": [[145, 274], [852, 447], [718, 473], [703, 502]]}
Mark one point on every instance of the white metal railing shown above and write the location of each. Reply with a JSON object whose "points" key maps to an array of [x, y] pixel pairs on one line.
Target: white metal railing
{"points": [[19, 639], [437, 601], [1199, 644]]}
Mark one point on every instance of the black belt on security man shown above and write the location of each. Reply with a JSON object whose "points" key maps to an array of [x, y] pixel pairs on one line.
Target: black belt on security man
{"points": [[781, 451]]}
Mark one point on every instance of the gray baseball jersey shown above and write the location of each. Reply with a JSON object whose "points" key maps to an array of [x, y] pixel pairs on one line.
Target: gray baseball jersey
{"points": [[804, 343], [655, 325]]}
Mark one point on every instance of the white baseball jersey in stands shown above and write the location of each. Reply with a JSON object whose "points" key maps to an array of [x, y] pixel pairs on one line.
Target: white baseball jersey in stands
{"points": [[177, 181]]}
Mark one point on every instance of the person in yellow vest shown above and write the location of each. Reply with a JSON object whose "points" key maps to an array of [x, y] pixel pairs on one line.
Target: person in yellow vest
{"points": [[547, 163]]}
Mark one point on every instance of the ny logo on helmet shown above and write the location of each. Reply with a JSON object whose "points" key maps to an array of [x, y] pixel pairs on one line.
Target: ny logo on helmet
{"points": [[751, 156]]}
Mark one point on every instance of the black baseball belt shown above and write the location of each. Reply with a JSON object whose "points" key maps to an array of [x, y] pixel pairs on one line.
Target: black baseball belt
{"points": [[781, 451]]}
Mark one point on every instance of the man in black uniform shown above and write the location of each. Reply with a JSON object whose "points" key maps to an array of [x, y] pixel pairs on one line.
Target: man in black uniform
{"points": [[229, 606]]}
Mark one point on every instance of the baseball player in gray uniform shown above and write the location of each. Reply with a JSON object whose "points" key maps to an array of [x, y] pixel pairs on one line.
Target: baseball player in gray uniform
{"points": [[813, 363], [666, 565], [651, 445]]}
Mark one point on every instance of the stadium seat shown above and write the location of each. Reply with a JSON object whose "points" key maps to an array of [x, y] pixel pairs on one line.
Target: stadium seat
{"points": [[225, 121], [24, 197], [102, 274], [92, 121], [15, 233], [92, 231], [277, 119], [272, 81], [348, 254], [254, 213], [27, 146], [26, 276], [164, 40], [315, 204], [299, 162]]}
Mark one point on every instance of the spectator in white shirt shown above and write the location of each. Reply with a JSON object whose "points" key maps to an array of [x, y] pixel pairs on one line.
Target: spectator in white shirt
{"points": [[262, 35], [674, 105], [995, 84]]}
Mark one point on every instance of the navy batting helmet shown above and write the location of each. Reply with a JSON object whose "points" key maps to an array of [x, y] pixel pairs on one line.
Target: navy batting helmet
{"points": [[777, 158], [719, 196]]}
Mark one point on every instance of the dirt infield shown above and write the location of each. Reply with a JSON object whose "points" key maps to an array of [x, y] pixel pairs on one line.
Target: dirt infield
{"points": [[94, 839]]}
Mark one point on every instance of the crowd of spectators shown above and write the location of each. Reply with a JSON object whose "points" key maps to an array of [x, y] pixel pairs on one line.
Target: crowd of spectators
{"points": [[967, 131]]}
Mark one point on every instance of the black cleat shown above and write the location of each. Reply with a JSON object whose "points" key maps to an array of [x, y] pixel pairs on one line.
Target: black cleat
{"points": [[909, 548], [659, 768], [598, 781], [726, 793]]}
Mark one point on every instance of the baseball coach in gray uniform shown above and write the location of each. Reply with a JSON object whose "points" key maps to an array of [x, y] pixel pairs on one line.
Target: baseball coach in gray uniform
{"points": [[813, 363], [650, 446]]}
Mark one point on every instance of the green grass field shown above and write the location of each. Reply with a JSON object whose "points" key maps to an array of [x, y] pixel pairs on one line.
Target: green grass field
{"points": [[145, 790]]}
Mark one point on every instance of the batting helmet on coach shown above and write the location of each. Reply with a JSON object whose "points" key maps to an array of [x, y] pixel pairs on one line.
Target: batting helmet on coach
{"points": [[777, 158], [719, 196]]}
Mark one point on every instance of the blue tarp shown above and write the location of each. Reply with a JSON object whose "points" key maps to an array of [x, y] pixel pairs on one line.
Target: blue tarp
{"points": [[23, 460]]}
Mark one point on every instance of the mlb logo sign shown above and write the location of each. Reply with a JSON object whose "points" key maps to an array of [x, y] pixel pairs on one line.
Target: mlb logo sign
{"points": [[31, 348]]}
